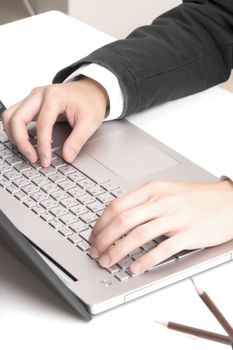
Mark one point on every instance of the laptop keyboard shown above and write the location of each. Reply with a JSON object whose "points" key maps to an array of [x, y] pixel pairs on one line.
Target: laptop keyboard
{"points": [[67, 199]]}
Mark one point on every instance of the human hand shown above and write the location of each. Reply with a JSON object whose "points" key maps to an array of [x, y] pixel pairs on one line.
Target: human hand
{"points": [[191, 215], [83, 103]]}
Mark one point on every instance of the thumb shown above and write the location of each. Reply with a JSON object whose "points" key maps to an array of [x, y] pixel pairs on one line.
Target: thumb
{"points": [[83, 129]]}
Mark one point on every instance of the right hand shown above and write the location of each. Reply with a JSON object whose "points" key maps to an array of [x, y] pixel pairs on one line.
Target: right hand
{"points": [[83, 103]]}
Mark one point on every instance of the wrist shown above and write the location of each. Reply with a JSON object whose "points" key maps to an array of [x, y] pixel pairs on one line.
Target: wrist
{"points": [[99, 91]]}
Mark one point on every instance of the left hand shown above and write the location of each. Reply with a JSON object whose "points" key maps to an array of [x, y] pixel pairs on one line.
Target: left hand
{"points": [[191, 215]]}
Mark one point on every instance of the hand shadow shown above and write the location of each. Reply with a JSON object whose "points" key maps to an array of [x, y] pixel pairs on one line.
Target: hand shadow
{"points": [[16, 276]]}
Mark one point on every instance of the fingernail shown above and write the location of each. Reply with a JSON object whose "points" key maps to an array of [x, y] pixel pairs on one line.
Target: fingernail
{"points": [[105, 260], [136, 267], [31, 157], [72, 154], [44, 161], [93, 252]]}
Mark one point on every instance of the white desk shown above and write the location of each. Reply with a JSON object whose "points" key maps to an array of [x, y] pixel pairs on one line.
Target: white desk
{"points": [[200, 127]]}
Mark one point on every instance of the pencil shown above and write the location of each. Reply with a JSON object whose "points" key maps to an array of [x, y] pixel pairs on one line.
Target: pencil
{"points": [[215, 311], [224, 339]]}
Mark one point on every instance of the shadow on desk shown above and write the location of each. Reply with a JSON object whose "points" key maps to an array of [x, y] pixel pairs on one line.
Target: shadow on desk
{"points": [[17, 279]]}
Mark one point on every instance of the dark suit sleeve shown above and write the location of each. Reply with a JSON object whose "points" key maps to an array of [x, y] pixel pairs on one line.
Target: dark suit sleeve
{"points": [[186, 50]]}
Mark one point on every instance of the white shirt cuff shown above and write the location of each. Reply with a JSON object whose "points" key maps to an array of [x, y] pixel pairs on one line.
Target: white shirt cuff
{"points": [[109, 81]]}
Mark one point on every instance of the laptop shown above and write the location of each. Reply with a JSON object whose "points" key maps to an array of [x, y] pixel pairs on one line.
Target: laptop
{"points": [[46, 215]]}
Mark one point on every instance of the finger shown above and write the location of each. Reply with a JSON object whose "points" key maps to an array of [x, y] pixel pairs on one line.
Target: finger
{"points": [[84, 127], [138, 237], [127, 221], [163, 251], [6, 116], [26, 112], [150, 190], [50, 109]]}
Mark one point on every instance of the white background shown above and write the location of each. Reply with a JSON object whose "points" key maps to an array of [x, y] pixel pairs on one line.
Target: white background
{"points": [[115, 17]]}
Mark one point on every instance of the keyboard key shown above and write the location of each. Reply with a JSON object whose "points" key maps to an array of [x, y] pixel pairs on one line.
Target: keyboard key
{"points": [[66, 231], [12, 189], [68, 219], [4, 167], [48, 171], [95, 190], [85, 183], [117, 192], [89, 217], [30, 174], [150, 245], [86, 199], [66, 169], [20, 195], [40, 180], [109, 185], [59, 211], [96, 206], [79, 209], [57, 162], [160, 239], [21, 182], [38, 209], [29, 202], [49, 188], [14, 160], [23, 166], [86, 234], [47, 216], [125, 263], [39, 196], [69, 202], [83, 245], [100, 213], [92, 224], [137, 253], [49, 203], [5, 182], [76, 191], [56, 178], [76, 176], [5, 153], [122, 276], [185, 253], [113, 269], [75, 238], [66, 185], [59, 195], [55, 223], [105, 197], [30, 189], [78, 226], [12, 174], [37, 165], [9, 145]]}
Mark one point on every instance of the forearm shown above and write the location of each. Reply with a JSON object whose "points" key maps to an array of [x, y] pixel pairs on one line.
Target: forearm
{"points": [[184, 51]]}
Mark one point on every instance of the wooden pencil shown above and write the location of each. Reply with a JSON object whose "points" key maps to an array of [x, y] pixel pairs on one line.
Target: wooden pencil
{"points": [[215, 311], [224, 339]]}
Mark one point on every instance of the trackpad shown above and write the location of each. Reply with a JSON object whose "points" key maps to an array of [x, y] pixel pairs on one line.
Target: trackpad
{"points": [[128, 156]]}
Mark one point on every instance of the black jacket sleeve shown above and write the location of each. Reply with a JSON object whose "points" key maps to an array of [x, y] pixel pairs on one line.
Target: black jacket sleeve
{"points": [[186, 50]]}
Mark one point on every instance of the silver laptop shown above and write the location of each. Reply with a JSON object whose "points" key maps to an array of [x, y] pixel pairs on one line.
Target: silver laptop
{"points": [[47, 215]]}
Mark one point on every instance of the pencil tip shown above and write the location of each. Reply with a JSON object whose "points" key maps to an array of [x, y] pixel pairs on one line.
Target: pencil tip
{"points": [[163, 323], [198, 289]]}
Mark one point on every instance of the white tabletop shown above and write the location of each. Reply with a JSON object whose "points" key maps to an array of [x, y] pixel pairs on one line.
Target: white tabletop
{"points": [[199, 127]]}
